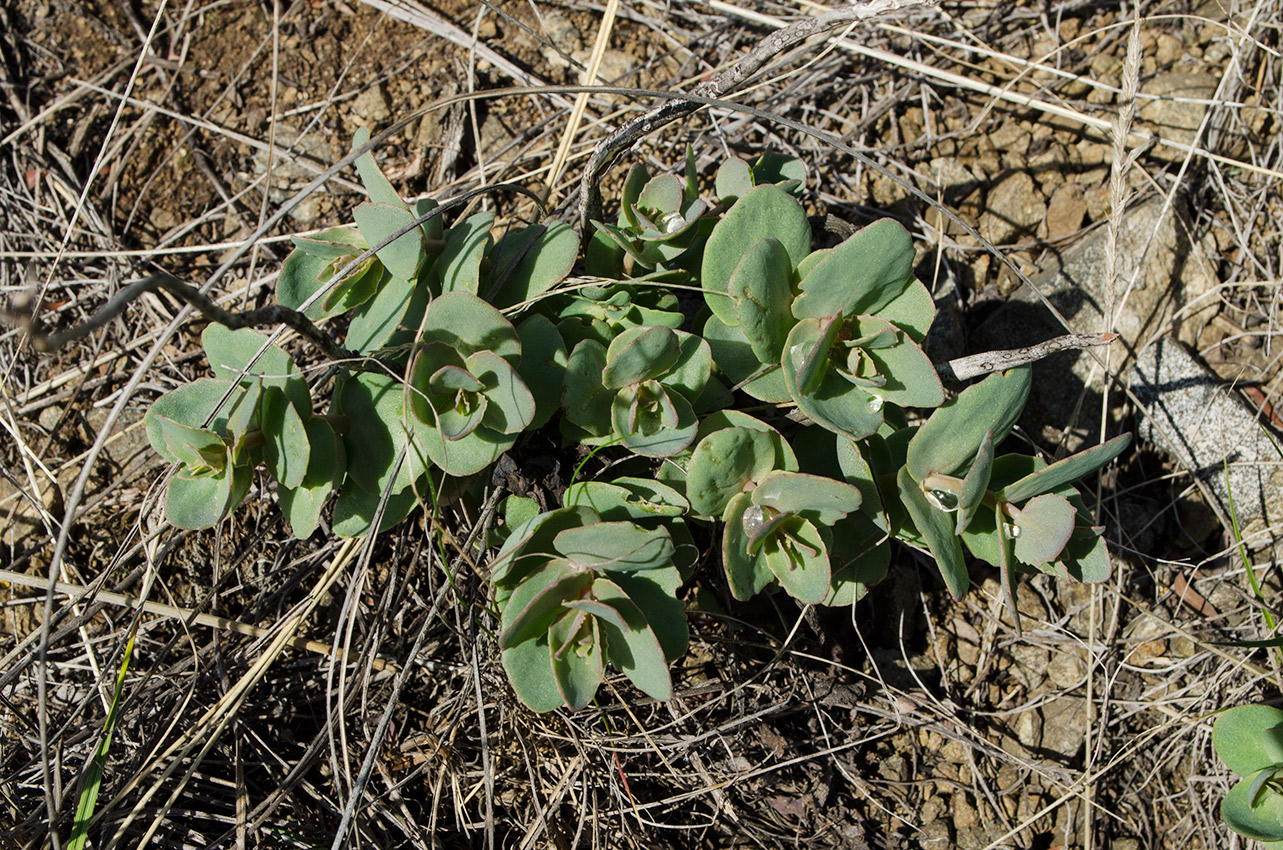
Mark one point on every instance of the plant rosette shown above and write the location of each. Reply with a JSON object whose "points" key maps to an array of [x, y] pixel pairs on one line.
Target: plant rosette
{"points": [[861, 315], [256, 408], [640, 390], [659, 220], [778, 530], [464, 384], [575, 593], [1015, 512], [1249, 739]]}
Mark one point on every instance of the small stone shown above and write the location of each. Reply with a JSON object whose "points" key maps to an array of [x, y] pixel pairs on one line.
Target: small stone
{"points": [[1030, 664], [371, 107], [1097, 201], [162, 219], [1066, 669], [1029, 729], [50, 417], [1169, 49], [1148, 638], [1062, 726], [1176, 114], [614, 67], [1065, 212], [936, 833], [965, 815], [894, 768], [1011, 137], [1014, 207]]}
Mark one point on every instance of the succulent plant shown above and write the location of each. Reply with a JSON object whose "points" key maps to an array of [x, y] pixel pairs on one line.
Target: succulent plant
{"points": [[659, 220], [639, 390], [1249, 739], [469, 339], [575, 593]]}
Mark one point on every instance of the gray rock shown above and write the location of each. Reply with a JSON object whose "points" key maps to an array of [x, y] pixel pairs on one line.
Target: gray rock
{"points": [[1014, 206], [1172, 281], [1206, 426], [1177, 112], [1062, 726]]}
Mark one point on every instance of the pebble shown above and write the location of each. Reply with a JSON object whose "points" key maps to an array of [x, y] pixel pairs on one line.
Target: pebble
{"points": [[371, 107], [1015, 206], [1065, 212]]}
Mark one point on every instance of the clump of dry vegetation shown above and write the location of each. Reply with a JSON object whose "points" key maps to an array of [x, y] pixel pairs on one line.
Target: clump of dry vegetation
{"points": [[282, 691]]}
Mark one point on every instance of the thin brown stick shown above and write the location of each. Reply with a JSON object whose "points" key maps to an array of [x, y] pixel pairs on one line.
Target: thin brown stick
{"points": [[42, 340]]}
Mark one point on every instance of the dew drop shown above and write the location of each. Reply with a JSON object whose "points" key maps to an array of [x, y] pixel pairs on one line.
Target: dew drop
{"points": [[1013, 531], [943, 499], [673, 222], [753, 519], [875, 404]]}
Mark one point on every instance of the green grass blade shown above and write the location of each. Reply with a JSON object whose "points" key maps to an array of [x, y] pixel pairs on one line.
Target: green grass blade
{"points": [[93, 774]]}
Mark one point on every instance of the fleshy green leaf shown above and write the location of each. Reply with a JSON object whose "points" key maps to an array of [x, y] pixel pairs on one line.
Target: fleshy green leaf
{"points": [[1066, 470], [722, 465], [634, 650], [379, 222], [1263, 821], [578, 659], [955, 431], [311, 266], [975, 484], [543, 365], [733, 180], [468, 325], [194, 405], [655, 593], [196, 503], [745, 574], [530, 261], [528, 541], [537, 601], [1042, 528], [247, 351], [616, 547], [529, 668], [197, 449], [375, 321], [380, 429], [690, 373], [762, 295], [863, 274], [458, 267], [796, 554], [511, 407], [796, 492], [627, 499], [286, 450], [766, 211], [937, 529], [1247, 738], [587, 401], [639, 354], [356, 508], [638, 177], [735, 358], [376, 185]]}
